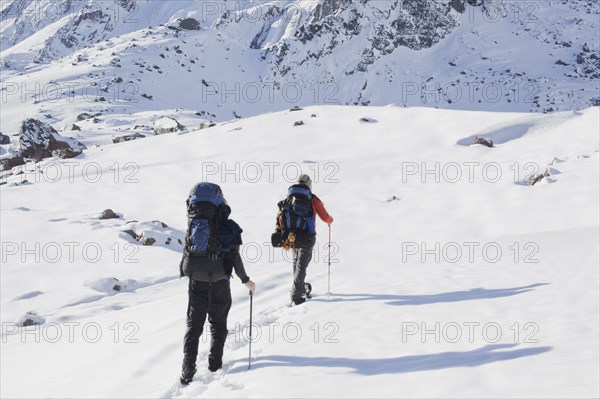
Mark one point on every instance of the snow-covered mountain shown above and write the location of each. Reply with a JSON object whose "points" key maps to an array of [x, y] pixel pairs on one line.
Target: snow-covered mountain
{"points": [[231, 59], [450, 277]]}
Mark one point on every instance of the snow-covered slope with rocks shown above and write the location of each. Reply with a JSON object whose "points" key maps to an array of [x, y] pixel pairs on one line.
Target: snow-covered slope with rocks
{"points": [[451, 276], [61, 58]]}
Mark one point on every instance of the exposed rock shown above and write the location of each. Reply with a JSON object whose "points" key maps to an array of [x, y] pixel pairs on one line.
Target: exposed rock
{"points": [[66, 153], [39, 140], [533, 179], [296, 108], [458, 5], [206, 125], [108, 214], [128, 137], [367, 120], [189, 24], [483, 141], [73, 127], [118, 285], [148, 240], [153, 233], [167, 125], [131, 233], [30, 319], [83, 116], [4, 139], [9, 163], [298, 123]]}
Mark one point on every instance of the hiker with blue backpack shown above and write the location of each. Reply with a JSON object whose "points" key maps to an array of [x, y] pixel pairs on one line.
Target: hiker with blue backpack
{"points": [[295, 229], [210, 256]]}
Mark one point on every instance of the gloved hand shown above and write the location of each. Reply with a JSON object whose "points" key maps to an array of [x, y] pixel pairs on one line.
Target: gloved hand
{"points": [[251, 286]]}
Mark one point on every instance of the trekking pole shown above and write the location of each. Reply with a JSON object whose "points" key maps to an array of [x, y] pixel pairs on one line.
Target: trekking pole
{"points": [[329, 266], [250, 342]]}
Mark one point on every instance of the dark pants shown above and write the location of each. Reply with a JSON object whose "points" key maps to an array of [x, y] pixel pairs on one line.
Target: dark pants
{"points": [[301, 259], [214, 300]]}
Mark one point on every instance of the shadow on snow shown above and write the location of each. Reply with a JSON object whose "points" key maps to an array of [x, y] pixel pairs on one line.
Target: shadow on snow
{"points": [[403, 364], [412, 300]]}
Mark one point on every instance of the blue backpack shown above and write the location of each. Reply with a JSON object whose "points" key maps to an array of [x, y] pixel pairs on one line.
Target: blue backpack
{"points": [[211, 236], [205, 210], [296, 211]]}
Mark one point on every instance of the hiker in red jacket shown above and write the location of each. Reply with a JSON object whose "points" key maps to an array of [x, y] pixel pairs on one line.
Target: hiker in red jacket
{"points": [[304, 232]]}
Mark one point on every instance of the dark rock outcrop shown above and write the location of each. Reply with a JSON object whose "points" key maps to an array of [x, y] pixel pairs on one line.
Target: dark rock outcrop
{"points": [[39, 140], [482, 141], [128, 137], [189, 24], [108, 214], [9, 163]]}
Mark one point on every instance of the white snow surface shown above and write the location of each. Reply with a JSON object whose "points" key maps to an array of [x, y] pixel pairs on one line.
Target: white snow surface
{"points": [[510, 308]]}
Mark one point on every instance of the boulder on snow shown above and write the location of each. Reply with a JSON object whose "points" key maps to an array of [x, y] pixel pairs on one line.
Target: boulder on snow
{"points": [[147, 240], [118, 285], [109, 285], [458, 5], [4, 139], [206, 125], [66, 153], [9, 163], [30, 319], [189, 24], [364, 119], [152, 233], [296, 108], [39, 140], [83, 116], [533, 179], [482, 141], [73, 127], [167, 125], [298, 123], [128, 137], [108, 214]]}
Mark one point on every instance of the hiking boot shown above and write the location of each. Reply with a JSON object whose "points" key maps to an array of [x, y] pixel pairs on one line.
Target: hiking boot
{"points": [[298, 301], [214, 367], [187, 374]]}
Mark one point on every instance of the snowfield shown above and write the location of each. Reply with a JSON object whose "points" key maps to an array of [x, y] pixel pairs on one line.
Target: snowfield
{"points": [[450, 275]]}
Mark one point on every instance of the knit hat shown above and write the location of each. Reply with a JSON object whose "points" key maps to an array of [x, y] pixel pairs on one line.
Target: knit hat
{"points": [[305, 179]]}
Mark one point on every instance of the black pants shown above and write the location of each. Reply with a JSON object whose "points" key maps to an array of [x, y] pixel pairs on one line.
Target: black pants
{"points": [[302, 257], [214, 300]]}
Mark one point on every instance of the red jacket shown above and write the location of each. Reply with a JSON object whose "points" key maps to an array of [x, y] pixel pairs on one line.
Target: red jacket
{"points": [[319, 209]]}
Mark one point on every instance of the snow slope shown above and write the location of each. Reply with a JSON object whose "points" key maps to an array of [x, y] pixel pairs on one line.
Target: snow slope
{"points": [[522, 322]]}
